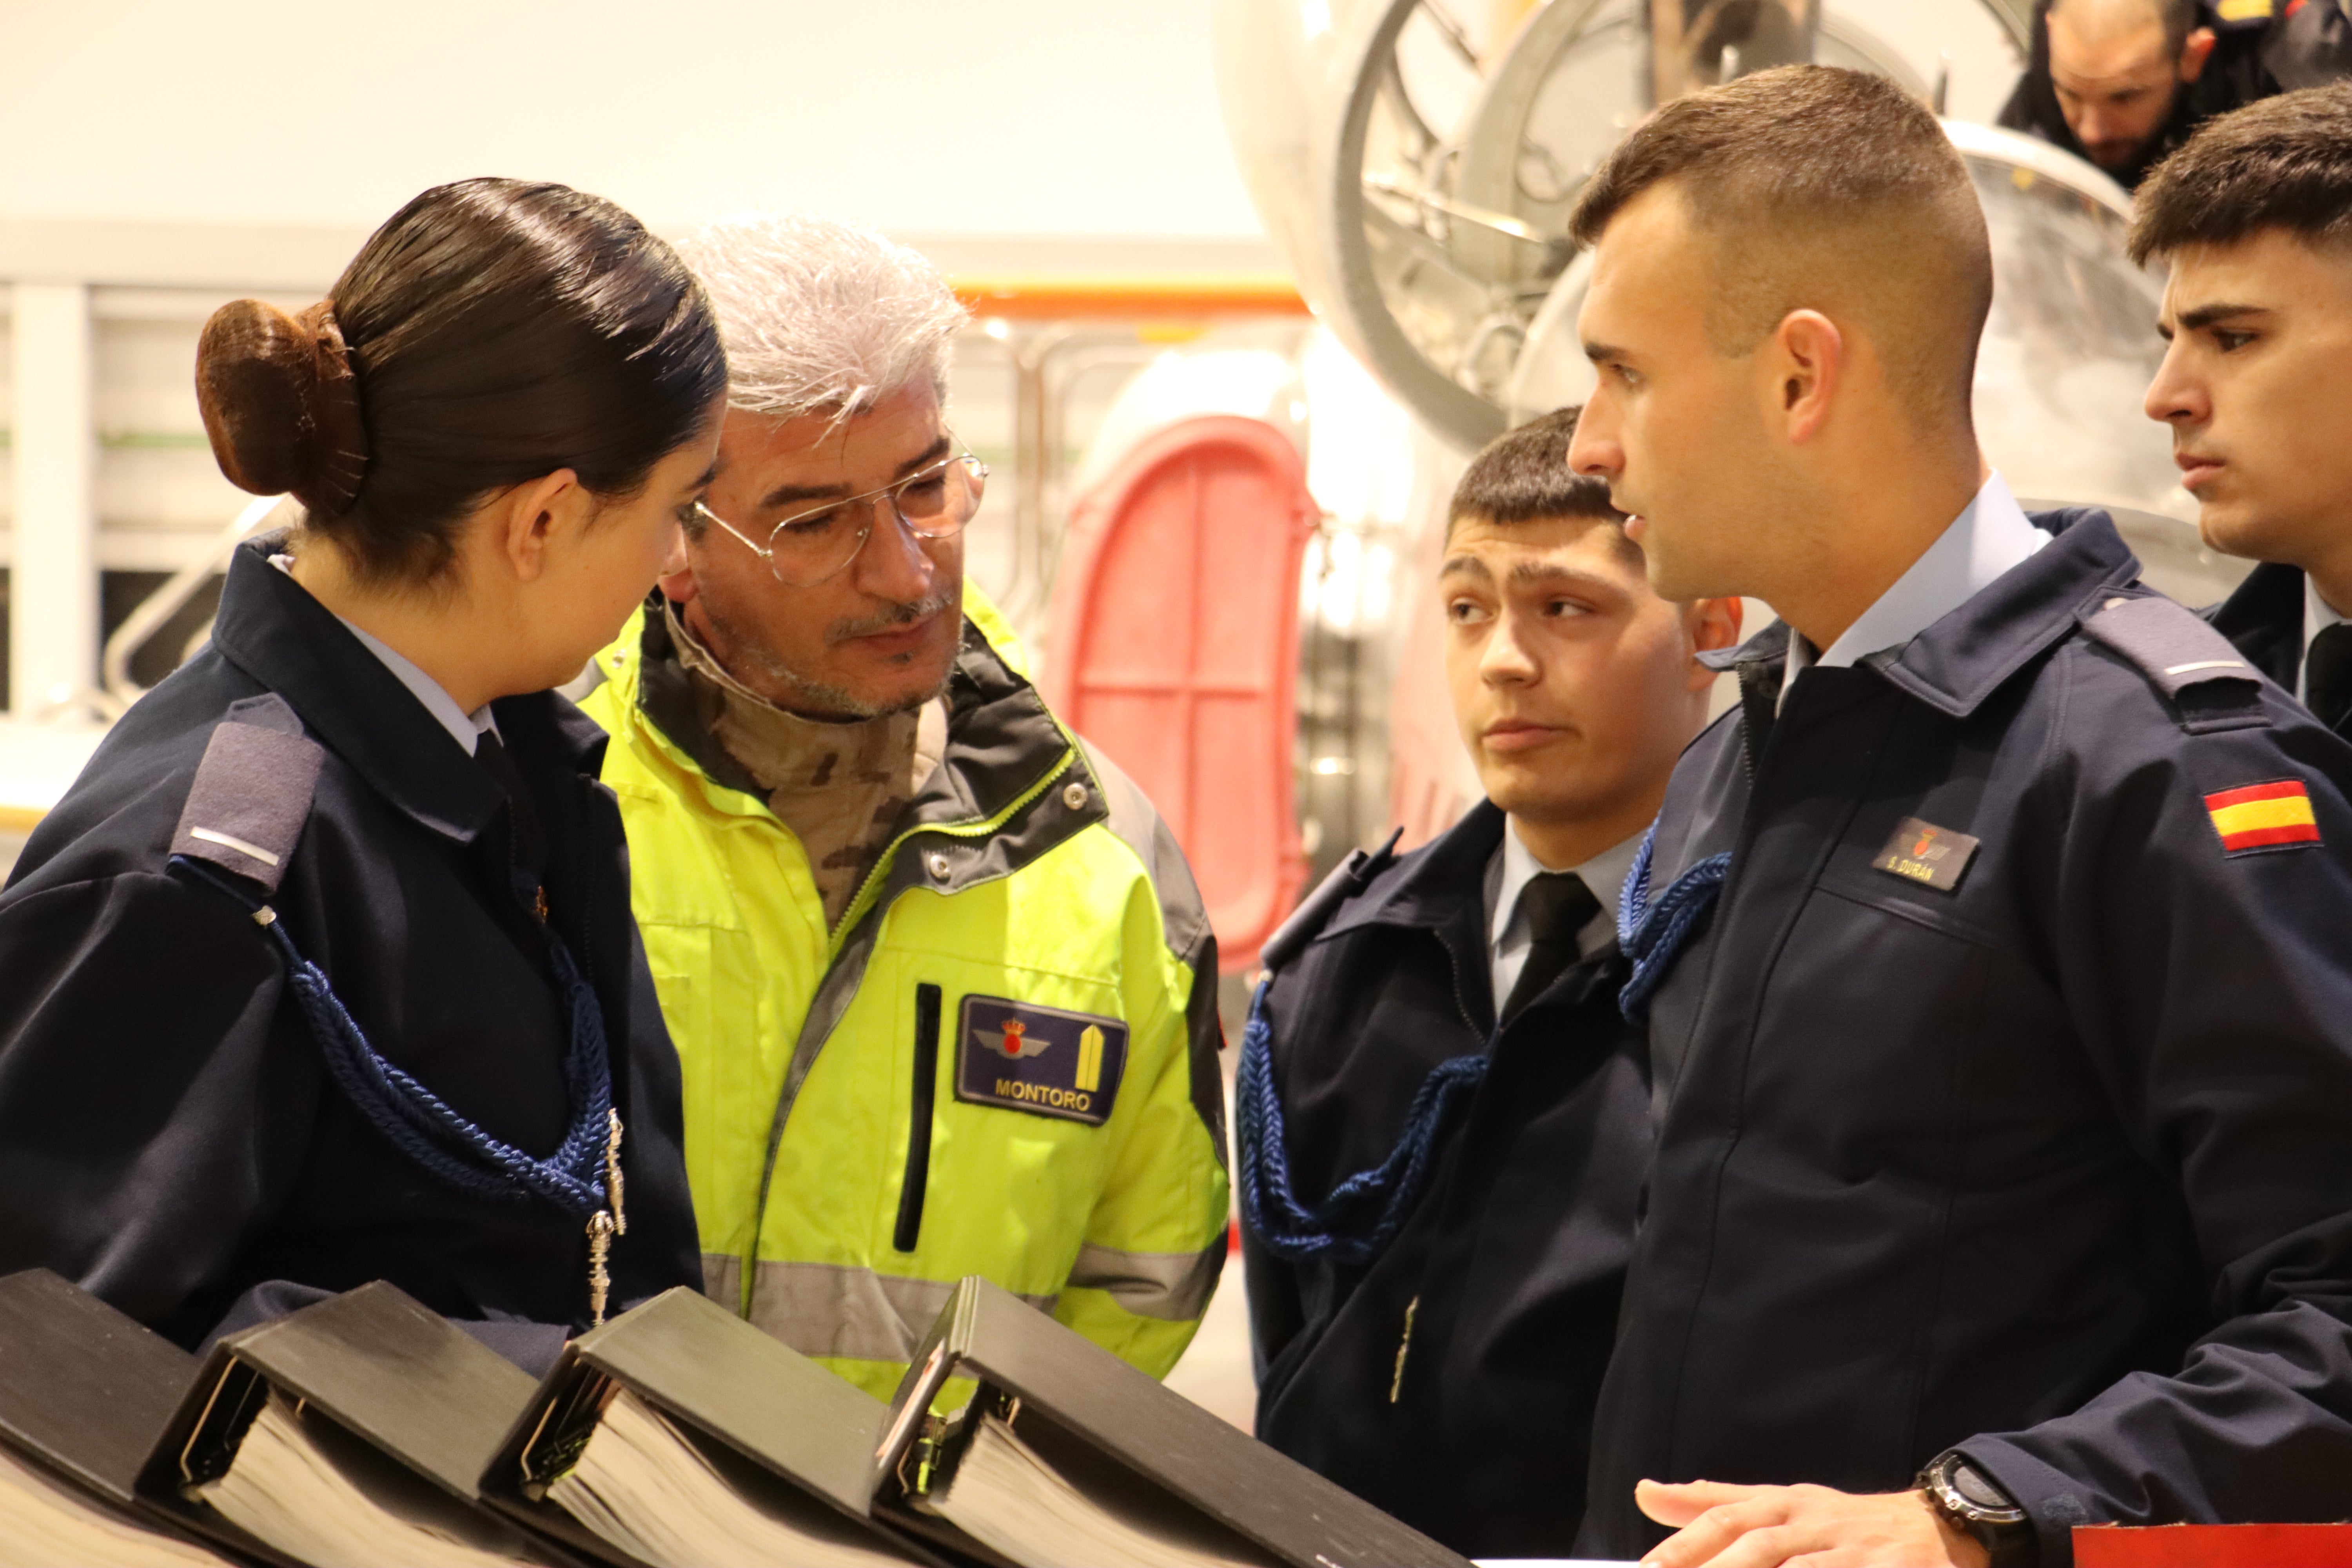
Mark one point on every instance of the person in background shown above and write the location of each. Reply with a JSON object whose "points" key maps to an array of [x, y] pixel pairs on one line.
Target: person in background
{"points": [[2252, 219], [323, 972], [942, 986], [2124, 82], [1999, 1018], [1444, 1115]]}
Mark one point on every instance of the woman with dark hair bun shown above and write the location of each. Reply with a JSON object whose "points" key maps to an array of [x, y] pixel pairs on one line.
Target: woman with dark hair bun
{"points": [[323, 972]]}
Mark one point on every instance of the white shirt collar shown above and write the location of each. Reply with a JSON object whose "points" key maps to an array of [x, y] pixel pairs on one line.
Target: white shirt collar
{"points": [[1992, 534], [465, 729], [2318, 614]]}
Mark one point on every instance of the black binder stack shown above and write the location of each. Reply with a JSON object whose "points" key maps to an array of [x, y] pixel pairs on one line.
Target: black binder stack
{"points": [[366, 1430]]}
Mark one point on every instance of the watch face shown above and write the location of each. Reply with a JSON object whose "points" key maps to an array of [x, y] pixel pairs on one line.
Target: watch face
{"points": [[1979, 1490], [1977, 1497]]}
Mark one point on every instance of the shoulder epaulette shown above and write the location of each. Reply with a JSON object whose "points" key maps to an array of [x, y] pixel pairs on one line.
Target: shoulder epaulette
{"points": [[251, 795], [2179, 653], [1313, 912]]}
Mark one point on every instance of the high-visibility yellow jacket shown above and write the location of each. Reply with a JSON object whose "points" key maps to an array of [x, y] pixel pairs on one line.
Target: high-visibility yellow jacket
{"points": [[1003, 1061]]}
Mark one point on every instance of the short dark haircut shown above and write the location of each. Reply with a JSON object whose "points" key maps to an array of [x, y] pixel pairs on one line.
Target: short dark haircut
{"points": [[2179, 18], [491, 331], [2283, 163], [1523, 476], [1824, 189]]}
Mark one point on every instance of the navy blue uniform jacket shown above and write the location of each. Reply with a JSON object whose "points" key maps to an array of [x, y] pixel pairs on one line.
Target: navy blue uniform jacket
{"points": [[169, 1138], [2055, 1166], [1516, 1253]]}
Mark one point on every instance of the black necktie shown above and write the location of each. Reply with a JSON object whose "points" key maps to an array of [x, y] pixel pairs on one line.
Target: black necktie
{"points": [[1559, 905], [2327, 675], [530, 839]]}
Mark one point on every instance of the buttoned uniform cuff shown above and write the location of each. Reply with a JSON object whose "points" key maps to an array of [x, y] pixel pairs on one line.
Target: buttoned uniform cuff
{"points": [[2051, 1500]]}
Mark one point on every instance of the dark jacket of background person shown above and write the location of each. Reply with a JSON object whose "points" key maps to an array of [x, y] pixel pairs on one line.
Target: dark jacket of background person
{"points": [[2288, 45], [2054, 1166], [168, 1137], [2264, 617], [1512, 1262]]}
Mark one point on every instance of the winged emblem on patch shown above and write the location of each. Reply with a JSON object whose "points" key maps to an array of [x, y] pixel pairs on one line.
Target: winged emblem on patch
{"points": [[1013, 1041]]}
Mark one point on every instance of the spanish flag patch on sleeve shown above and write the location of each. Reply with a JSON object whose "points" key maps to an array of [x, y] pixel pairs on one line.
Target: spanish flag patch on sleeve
{"points": [[2264, 816]]}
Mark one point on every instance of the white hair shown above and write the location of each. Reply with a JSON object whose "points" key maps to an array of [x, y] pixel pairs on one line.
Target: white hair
{"points": [[820, 315]]}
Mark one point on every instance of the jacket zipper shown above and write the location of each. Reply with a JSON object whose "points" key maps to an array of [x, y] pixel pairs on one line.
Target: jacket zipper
{"points": [[919, 1119]]}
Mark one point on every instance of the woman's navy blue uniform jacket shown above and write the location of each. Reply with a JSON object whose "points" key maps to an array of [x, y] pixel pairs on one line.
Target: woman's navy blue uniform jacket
{"points": [[2007, 1103], [1477, 1431], [168, 1137]]}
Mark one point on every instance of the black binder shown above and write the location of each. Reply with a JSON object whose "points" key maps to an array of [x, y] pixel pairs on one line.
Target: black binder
{"points": [[84, 1389], [711, 1370], [1084, 1398], [378, 1363]]}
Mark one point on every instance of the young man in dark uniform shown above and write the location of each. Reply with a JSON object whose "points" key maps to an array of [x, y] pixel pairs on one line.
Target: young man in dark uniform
{"points": [[2124, 82], [1448, 1018], [1992, 948], [2251, 218]]}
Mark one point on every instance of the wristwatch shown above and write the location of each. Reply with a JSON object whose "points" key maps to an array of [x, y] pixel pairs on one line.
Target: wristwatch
{"points": [[1979, 1509]]}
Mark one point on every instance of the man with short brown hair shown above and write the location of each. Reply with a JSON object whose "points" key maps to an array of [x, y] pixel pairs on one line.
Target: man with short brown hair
{"points": [[1991, 948], [1442, 1115], [2253, 219]]}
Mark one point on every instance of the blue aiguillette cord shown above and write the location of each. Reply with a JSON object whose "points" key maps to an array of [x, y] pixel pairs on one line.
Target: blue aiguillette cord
{"points": [[1354, 1224], [444, 1144], [1652, 936], [1362, 1215]]}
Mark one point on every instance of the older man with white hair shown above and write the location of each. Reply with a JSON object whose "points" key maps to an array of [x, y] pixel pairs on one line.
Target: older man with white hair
{"points": [[940, 982]]}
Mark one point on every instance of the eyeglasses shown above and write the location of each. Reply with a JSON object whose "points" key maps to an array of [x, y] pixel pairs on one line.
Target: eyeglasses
{"points": [[808, 546]]}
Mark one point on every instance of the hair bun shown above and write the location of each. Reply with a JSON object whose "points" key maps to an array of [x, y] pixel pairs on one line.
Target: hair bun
{"points": [[281, 403]]}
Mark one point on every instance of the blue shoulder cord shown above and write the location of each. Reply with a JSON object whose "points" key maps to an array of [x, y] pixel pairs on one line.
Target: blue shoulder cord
{"points": [[1363, 1214], [444, 1144], [1652, 935]]}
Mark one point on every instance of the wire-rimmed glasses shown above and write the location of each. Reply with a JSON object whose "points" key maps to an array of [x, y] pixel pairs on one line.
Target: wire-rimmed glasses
{"points": [[810, 545]]}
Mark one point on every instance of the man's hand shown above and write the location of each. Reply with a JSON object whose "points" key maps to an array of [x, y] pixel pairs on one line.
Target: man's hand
{"points": [[1763, 1527]]}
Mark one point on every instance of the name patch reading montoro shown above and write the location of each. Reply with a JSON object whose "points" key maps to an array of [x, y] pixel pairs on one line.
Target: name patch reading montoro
{"points": [[1931, 855], [1039, 1059]]}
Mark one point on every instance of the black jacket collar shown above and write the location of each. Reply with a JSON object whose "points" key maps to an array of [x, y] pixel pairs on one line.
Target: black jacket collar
{"points": [[1961, 661], [270, 627], [1440, 886], [2264, 617]]}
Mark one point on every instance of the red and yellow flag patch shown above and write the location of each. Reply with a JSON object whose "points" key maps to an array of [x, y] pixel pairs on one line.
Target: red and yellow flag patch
{"points": [[2264, 816]]}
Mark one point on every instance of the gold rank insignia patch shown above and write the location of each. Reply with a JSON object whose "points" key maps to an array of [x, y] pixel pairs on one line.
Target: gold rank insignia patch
{"points": [[1924, 853], [1039, 1059], [2264, 816]]}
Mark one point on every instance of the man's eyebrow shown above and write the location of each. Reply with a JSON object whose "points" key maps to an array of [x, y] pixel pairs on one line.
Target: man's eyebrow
{"points": [[1465, 566], [785, 495], [1539, 573], [1597, 352], [930, 454], [2211, 315]]}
